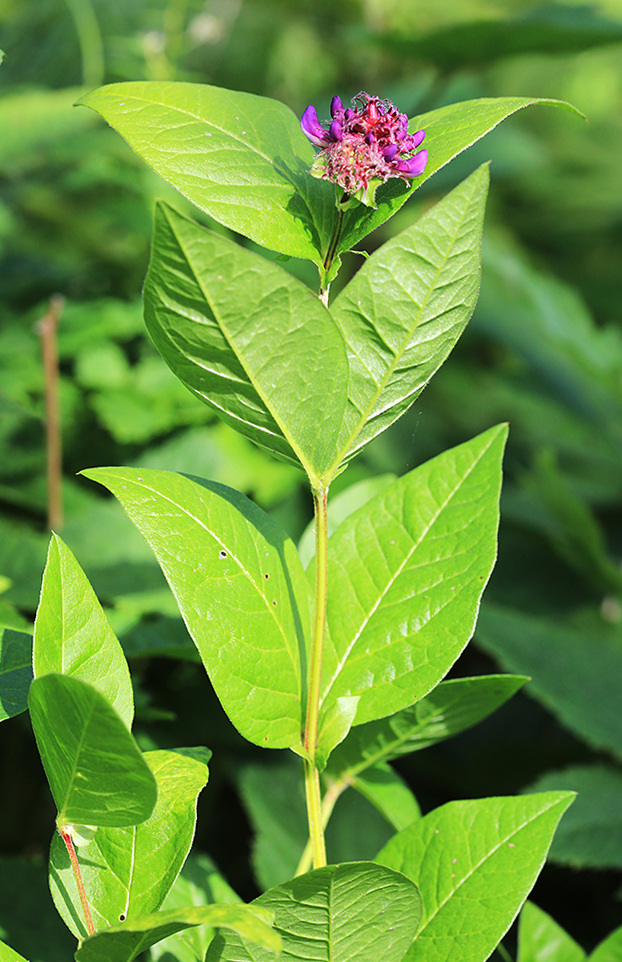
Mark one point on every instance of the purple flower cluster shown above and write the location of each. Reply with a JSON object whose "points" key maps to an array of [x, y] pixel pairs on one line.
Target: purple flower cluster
{"points": [[364, 145]]}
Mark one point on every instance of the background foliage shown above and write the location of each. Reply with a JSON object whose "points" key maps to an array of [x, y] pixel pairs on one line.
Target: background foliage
{"points": [[543, 351]]}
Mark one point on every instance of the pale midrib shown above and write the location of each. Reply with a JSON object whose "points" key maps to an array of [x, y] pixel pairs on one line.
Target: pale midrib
{"points": [[288, 185], [348, 444], [474, 869], [77, 757], [212, 534], [230, 343], [397, 573]]}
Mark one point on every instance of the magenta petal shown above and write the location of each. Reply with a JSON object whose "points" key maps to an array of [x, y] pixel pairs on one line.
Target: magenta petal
{"points": [[414, 166], [312, 128], [417, 138], [336, 131], [389, 152], [335, 106]]}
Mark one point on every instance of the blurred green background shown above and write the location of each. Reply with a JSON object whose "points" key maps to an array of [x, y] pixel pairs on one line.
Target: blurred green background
{"points": [[543, 351]]}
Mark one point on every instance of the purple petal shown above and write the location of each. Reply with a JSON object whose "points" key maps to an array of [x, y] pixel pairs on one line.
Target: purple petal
{"points": [[312, 128], [336, 106], [350, 113], [389, 152], [336, 131], [417, 138], [414, 166], [370, 139]]}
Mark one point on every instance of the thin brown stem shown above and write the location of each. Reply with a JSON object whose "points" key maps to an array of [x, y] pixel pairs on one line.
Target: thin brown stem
{"points": [[46, 328]]}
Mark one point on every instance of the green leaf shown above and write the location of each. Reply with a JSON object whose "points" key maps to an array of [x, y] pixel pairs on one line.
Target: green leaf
{"points": [[474, 863], [406, 573], [388, 793], [610, 949], [575, 674], [452, 707], [15, 672], [129, 871], [198, 884], [448, 131], [241, 590], [240, 158], [248, 339], [72, 635], [343, 913], [11, 618], [427, 279], [340, 507], [97, 774], [122, 943], [7, 954], [590, 836], [540, 939], [34, 120]]}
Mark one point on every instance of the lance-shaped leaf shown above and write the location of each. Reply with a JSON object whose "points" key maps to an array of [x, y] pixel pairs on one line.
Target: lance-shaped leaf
{"points": [[541, 939], [15, 672], [240, 158], [128, 872], [405, 309], [474, 863], [72, 634], [241, 590], [451, 708], [122, 943], [448, 131], [406, 573], [248, 339], [96, 772], [388, 793], [340, 913]]}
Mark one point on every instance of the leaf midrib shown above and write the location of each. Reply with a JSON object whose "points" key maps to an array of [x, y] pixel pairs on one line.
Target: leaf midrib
{"points": [[231, 344], [349, 442], [390, 582]]}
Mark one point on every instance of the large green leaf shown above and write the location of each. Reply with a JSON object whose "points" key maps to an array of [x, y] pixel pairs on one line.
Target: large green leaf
{"points": [[15, 672], [406, 572], [341, 913], [540, 939], [388, 793], [448, 131], [248, 339], [72, 635], [129, 871], [241, 590], [452, 707], [591, 834], [240, 158], [575, 674], [122, 943], [96, 772], [474, 863], [405, 309]]}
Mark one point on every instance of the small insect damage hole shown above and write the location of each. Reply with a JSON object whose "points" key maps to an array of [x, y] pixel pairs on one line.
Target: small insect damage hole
{"points": [[266, 577], [274, 603], [222, 553], [122, 917]]}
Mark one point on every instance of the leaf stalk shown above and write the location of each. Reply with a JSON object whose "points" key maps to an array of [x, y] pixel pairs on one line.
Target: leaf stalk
{"points": [[67, 839]]}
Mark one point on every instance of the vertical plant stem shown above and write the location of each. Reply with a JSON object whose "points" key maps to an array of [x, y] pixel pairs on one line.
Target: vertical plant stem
{"points": [[67, 839], [47, 329], [312, 778], [328, 804], [330, 254], [90, 40]]}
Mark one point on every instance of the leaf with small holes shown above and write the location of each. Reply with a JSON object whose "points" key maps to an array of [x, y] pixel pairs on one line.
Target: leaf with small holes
{"points": [[241, 590]]}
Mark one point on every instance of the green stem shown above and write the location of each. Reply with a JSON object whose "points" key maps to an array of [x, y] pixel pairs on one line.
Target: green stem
{"points": [[328, 803], [312, 778], [67, 839], [90, 40], [330, 254]]}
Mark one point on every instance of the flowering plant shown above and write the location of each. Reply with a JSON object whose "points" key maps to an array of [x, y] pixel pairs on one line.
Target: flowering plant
{"points": [[337, 654]]}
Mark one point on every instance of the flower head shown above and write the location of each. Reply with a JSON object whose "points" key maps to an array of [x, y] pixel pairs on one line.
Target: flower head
{"points": [[363, 146]]}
